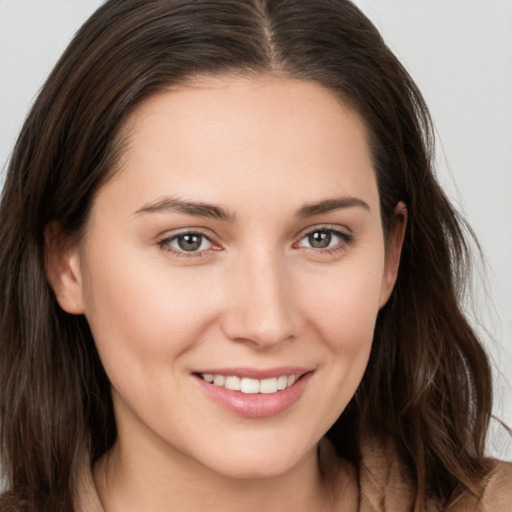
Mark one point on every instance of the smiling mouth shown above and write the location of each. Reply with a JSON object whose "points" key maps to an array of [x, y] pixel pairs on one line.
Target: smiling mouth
{"points": [[255, 393], [250, 386]]}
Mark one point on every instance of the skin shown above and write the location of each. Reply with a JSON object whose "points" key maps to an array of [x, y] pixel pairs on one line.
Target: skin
{"points": [[255, 294]]}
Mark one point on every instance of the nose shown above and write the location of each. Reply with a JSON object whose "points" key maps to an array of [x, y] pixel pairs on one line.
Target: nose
{"points": [[261, 307]]}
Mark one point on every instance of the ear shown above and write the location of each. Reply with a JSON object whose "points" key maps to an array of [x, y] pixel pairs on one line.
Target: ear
{"points": [[62, 264], [393, 251]]}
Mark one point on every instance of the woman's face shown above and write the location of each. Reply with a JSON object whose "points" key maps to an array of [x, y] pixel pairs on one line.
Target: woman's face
{"points": [[240, 241]]}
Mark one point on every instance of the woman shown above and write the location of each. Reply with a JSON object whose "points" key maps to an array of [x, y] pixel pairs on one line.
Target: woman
{"points": [[230, 278]]}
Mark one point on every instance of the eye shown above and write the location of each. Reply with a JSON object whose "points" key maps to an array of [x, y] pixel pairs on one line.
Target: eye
{"points": [[325, 238], [189, 242]]}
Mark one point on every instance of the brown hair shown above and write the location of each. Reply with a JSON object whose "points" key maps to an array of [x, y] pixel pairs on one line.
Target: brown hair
{"points": [[427, 387]]}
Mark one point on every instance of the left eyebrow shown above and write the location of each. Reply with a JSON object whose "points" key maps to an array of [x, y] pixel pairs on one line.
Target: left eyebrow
{"points": [[329, 205], [197, 209]]}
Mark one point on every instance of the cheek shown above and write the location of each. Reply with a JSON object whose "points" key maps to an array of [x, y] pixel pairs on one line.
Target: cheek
{"points": [[342, 316], [141, 314], [343, 310], [345, 304]]}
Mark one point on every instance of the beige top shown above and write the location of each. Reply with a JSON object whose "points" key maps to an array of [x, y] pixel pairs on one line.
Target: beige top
{"points": [[385, 485]]}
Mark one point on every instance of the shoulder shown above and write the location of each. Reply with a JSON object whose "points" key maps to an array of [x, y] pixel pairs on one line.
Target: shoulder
{"points": [[386, 484], [496, 492]]}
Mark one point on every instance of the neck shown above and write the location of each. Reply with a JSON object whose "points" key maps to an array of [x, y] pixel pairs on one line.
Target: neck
{"points": [[130, 478]]}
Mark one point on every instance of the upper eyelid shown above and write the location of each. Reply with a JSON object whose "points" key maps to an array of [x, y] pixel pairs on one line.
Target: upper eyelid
{"points": [[324, 227], [172, 234]]}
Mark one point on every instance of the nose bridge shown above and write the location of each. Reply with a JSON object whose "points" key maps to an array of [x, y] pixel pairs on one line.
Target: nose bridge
{"points": [[262, 309]]}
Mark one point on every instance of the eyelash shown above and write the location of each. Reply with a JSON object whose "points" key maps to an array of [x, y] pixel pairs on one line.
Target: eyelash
{"points": [[165, 244], [345, 239]]}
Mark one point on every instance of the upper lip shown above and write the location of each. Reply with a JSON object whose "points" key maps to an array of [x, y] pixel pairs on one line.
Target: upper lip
{"points": [[257, 373]]}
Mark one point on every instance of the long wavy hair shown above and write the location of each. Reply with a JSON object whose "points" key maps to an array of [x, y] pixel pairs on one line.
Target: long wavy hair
{"points": [[427, 387]]}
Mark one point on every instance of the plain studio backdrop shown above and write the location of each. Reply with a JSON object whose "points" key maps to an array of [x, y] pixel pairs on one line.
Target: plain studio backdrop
{"points": [[460, 54]]}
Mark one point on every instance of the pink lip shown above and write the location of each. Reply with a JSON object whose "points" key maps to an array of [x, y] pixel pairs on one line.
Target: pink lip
{"points": [[256, 405]]}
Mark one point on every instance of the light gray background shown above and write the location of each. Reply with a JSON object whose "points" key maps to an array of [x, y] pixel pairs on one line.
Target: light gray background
{"points": [[460, 54]]}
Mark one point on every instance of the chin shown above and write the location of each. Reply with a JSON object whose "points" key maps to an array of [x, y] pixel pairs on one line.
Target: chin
{"points": [[257, 462], [252, 470]]}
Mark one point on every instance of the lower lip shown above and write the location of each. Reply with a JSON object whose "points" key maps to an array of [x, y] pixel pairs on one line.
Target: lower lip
{"points": [[257, 405]]}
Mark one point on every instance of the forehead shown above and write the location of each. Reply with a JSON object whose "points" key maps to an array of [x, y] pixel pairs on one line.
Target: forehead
{"points": [[227, 98], [257, 135]]}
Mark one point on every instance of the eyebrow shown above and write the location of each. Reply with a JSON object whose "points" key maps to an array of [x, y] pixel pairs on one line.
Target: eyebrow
{"points": [[197, 209], [330, 205], [200, 209]]}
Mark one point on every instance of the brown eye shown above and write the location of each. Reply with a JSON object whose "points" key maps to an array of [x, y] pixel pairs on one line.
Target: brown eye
{"points": [[320, 239], [189, 241], [325, 238]]}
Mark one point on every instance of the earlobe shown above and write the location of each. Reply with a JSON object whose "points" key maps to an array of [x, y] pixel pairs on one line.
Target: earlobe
{"points": [[62, 265], [393, 252]]}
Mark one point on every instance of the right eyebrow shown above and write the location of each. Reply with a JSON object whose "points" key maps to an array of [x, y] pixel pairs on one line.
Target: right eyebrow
{"points": [[194, 208], [330, 205]]}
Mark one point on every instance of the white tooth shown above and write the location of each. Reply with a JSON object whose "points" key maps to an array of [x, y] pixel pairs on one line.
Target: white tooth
{"points": [[249, 385], [208, 377], [233, 383], [219, 380], [291, 380], [282, 382], [268, 385]]}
